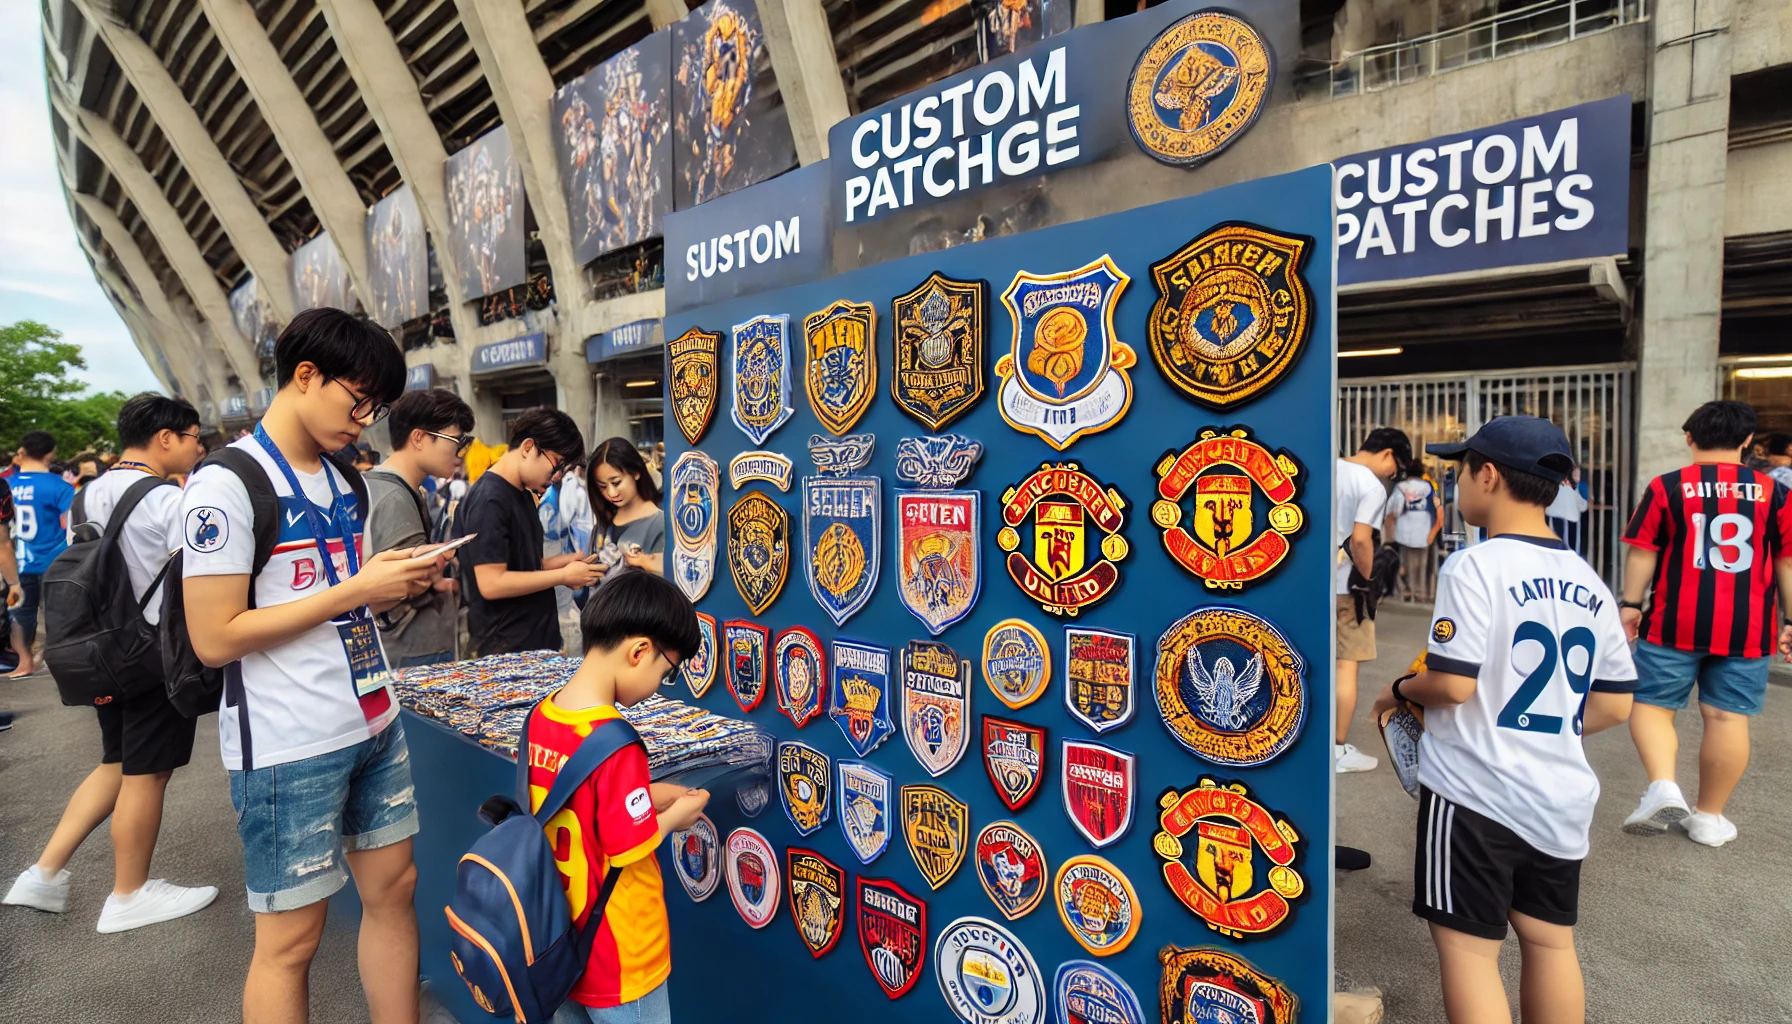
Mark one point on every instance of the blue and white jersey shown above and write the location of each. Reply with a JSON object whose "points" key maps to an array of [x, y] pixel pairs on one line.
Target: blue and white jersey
{"points": [[39, 533]]}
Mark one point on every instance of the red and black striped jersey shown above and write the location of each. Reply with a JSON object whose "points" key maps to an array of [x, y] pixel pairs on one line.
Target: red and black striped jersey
{"points": [[1719, 528]]}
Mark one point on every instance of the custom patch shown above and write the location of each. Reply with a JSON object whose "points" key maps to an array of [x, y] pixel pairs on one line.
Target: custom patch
{"points": [[753, 881], [800, 674], [693, 492], [1097, 904], [695, 382], [753, 797], [1225, 888], [892, 934], [749, 646], [1014, 757], [1207, 984], [1098, 786], [865, 809], [1232, 538], [1443, 630], [937, 331], [937, 826], [696, 860], [1232, 314], [1075, 537], [1198, 87], [1098, 674], [937, 463], [817, 898], [766, 467], [936, 704], [1011, 866], [1064, 375], [841, 371], [939, 559], [842, 534], [758, 549], [805, 781], [207, 529], [986, 975], [860, 698], [762, 376], [1017, 664], [699, 670], [1230, 687], [838, 456], [1089, 993]]}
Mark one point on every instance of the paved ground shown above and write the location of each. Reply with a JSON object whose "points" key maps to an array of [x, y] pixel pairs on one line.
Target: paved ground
{"points": [[1670, 930]]}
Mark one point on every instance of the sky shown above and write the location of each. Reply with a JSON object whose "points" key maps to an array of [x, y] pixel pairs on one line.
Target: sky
{"points": [[44, 275]]}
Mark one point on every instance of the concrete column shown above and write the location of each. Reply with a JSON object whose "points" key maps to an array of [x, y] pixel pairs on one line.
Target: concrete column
{"points": [[802, 52], [151, 338], [1683, 258], [666, 12]]}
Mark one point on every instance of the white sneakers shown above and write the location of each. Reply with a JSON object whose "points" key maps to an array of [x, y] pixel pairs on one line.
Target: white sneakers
{"points": [[158, 900], [1662, 805], [1349, 759], [1708, 829], [33, 889]]}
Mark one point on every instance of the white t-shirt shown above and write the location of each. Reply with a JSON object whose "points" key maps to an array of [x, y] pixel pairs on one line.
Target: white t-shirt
{"points": [[1358, 496], [1413, 504], [300, 696], [149, 536], [1537, 629], [1568, 504]]}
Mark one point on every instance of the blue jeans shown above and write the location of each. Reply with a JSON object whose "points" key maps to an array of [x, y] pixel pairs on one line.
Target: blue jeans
{"points": [[652, 1008], [1665, 677]]}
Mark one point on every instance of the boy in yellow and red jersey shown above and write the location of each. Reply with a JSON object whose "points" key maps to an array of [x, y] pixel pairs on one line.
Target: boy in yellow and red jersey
{"points": [[637, 627]]}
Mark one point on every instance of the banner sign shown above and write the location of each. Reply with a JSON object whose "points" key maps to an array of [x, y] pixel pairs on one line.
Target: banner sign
{"points": [[615, 149], [639, 336], [398, 263], [528, 350], [1536, 190], [767, 236], [485, 214], [729, 127], [421, 377], [319, 277]]}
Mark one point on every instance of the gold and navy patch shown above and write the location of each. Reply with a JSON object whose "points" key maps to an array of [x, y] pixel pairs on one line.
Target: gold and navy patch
{"points": [[1075, 537], [1014, 757], [1097, 904], [805, 781], [1011, 866], [1089, 992], [699, 670], [1017, 664], [695, 382], [841, 371], [1099, 784], [1233, 538], [748, 647], [937, 826], [817, 898], [1098, 676], [865, 795], [842, 534], [1443, 630], [762, 376], [937, 332], [758, 549], [860, 699], [1213, 984], [800, 674], [1064, 375], [1230, 687], [694, 493], [936, 704], [1228, 888], [766, 467], [1198, 87]]}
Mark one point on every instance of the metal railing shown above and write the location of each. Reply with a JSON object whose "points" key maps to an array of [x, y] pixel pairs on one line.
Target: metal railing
{"points": [[1531, 27]]}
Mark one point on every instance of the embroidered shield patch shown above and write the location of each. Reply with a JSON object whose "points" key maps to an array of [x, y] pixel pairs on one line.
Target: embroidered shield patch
{"points": [[1099, 784], [693, 493], [1011, 866], [860, 699], [754, 797], [762, 376], [1097, 904], [841, 371], [938, 555], [749, 646], [938, 332], [1064, 375], [1074, 536], [753, 881], [936, 704], [937, 826], [1014, 757], [696, 857], [865, 809], [1090, 993], [1227, 887], [1017, 665], [892, 934], [764, 467], [986, 975], [1230, 686], [841, 538], [800, 675], [1198, 86], [805, 779], [695, 380], [817, 898], [758, 549], [1098, 674], [1233, 537], [699, 670], [1212, 984]]}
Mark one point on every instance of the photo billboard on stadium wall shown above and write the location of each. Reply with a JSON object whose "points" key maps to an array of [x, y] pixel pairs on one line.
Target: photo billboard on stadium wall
{"points": [[253, 317], [485, 214], [729, 127], [399, 267], [613, 138], [1004, 26], [319, 277]]}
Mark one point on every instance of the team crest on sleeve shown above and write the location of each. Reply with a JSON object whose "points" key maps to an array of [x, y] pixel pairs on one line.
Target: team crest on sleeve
{"points": [[699, 670], [892, 934], [761, 467], [1198, 87], [936, 704], [1064, 375], [937, 549], [986, 975], [1017, 664], [753, 881], [1207, 984], [1098, 674], [1097, 904], [841, 371], [1014, 757], [749, 647], [859, 701], [695, 383], [1230, 687], [937, 335], [817, 898], [937, 826], [799, 672], [1090, 993], [1233, 538], [842, 532], [753, 797], [1443, 630], [1075, 537], [840, 456], [1099, 784], [865, 809], [696, 859], [1229, 887], [1011, 866], [207, 529], [805, 779], [695, 486], [758, 549], [762, 376]]}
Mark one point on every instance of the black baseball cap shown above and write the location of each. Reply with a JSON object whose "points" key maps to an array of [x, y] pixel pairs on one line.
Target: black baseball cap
{"points": [[1524, 443]]}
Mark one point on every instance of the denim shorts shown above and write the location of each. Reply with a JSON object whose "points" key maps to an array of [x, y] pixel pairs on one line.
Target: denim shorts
{"points": [[652, 1008], [298, 819], [1665, 677]]}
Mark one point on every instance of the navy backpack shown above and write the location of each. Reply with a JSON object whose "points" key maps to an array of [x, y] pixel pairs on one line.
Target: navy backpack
{"points": [[514, 942]]}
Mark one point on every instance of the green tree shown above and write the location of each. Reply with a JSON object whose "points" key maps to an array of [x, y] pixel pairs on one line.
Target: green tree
{"points": [[38, 391]]}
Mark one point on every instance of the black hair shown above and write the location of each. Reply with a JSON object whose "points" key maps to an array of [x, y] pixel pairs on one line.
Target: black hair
{"points": [[552, 431], [38, 444], [433, 409], [351, 349], [622, 455], [1528, 488], [1721, 425], [634, 602], [144, 416], [1778, 442], [1389, 438]]}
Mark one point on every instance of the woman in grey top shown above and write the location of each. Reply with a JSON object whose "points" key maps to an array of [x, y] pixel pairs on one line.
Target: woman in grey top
{"points": [[627, 525]]}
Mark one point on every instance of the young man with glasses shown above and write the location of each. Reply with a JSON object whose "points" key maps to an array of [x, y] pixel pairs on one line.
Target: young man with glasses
{"points": [[430, 431]]}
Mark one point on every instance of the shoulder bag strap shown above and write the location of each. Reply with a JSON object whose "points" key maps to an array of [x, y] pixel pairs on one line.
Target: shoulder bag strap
{"points": [[594, 750]]}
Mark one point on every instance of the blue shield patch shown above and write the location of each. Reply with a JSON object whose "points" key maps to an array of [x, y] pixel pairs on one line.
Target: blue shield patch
{"points": [[699, 670], [1088, 993], [865, 809], [696, 479], [762, 376], [842, 534], [1064, 375], [841, 371], [748, 647], [805, 779], [860, 698], [799, 674]]}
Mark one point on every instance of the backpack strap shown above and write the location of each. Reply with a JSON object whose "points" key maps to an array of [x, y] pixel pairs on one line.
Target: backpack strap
{"points": [[127, 503], [608, 738]]}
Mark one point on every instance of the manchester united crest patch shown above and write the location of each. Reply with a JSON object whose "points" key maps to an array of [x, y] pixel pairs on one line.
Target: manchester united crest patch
{"points": [[1014, 757], [1230, 687], [860, 697], [1212, 984], [1011, 866], [1099, 784], [749, 661], [805, 779], [1075, 537], [937, 826], [799, 672], [841, 371], [986, 975], [694, 495], [1233, 537], [1098, 676], [1228, 887], [696, 857], [842, 534], [1017, 664], [865, 809], [753, 880], [892, 934], [937, 331], [758, 549], [699, 670], [1198, 86], [1097, 904], [695, 380], [762, 376], [936, 704], [1090, 993], [1064, 375], [817, 898]]}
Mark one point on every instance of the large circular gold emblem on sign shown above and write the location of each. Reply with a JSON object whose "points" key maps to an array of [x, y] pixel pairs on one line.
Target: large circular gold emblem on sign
{"points": [[1198, 86]]}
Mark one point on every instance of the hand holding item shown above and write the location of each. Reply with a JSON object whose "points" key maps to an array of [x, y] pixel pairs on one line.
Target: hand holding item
{"points": [[394, 575], [578, 573], [684, 810]]}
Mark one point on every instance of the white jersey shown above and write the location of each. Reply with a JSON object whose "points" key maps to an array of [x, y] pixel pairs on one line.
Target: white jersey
{"points": [[149, 536], [1537, 629], [1358, 496]]}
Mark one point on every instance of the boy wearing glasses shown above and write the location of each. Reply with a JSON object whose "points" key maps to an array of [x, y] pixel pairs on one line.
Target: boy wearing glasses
{"points": [[430, 430]]}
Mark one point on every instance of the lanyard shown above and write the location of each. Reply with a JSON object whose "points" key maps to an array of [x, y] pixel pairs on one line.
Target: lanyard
{"points": [[313, 519]]}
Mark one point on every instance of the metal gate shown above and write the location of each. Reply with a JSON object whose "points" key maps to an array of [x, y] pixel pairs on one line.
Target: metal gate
{"points": [[1594, 405]]}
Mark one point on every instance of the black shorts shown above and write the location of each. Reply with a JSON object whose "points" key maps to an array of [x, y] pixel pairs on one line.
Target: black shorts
{"points": [[1469, 871], [145, 734]]}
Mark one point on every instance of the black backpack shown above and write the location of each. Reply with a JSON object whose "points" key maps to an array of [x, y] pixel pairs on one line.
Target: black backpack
{"points": [[97, 643]]}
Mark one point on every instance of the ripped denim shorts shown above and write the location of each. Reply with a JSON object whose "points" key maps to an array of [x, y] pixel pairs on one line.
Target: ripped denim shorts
{"points": [[297, 820]]}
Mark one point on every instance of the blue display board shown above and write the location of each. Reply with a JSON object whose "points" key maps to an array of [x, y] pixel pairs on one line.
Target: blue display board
{"points": [[725, 970]]}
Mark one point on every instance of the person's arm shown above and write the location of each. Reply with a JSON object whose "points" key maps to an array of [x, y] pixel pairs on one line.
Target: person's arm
{"points": [[1604, 709], [654, 563], [1362, 548], [1433, 689], [9, 563], [1639, 570], [1782, 575], [1457, 645], [498, 581], [1644, 537], [683, 811]]}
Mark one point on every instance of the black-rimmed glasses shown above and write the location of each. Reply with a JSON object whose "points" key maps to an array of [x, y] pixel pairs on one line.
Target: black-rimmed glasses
{"points": [[671, 673], [368, 409], [461, 442]]}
